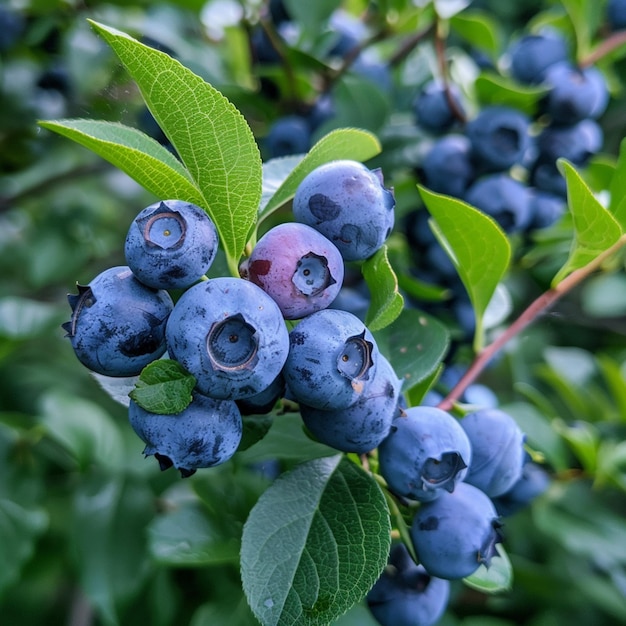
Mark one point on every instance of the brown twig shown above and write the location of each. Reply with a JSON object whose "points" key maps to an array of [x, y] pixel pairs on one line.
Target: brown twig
{"points": [[534, 310]]}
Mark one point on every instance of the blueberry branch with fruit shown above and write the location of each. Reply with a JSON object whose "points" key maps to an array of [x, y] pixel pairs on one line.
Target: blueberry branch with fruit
{"points": [[208, 356]]}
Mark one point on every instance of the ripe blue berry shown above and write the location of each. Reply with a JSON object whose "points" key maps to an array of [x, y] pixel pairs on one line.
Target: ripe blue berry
{"points": [[298, 267], [118, 323], [575, 93], [499, 136], [288, 135], [349, 204], [204, 434], [497, 450], [425, 453], [230, 335], [532, 55], [433, 110], [360, 427], [406, 594], [505, 199], [448, 166], [532, 483], [171, 244], [332, 360], [456, 533]]}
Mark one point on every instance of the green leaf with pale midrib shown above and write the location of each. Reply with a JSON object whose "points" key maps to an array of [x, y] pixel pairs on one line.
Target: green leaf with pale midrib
{"points": [[314, 544], [477, 246], [140, 156], [595, 228], [343, 143], [210, 135]]}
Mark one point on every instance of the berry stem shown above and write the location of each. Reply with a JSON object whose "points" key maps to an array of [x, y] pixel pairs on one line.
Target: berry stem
{"points": [[536, 308]]}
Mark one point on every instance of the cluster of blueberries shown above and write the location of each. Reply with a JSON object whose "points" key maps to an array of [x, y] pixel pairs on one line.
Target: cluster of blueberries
{"points": [[503, 161], [232, 335]]}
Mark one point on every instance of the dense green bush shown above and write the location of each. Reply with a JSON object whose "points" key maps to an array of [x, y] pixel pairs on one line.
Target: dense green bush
{"points": [[93, 533]]}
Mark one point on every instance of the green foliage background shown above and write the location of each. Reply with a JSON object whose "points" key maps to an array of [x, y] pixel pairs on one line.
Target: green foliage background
{"points": [[90, 532]]}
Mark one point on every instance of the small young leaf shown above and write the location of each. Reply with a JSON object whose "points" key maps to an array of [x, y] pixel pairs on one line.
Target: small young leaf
{"points": [[314, 544], [415, 345], [476, 245], [386, 301], [141, 157], [164, 387], [344, 143], [493, 89], [479, 29], [496, 578], [596, 229], [211, 136]]}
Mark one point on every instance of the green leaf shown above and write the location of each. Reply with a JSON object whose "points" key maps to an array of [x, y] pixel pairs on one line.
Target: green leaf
{"points": [[19, 529], [187, 537], [164, 387], [286, 441], [141, 157], [386, 302], [358, 101], [415, 345], [344, 143], [23, 318], [494, 89], [584, 440], [596, 230], [577, 518], [617, 188], [108, 540], [314, 544], [275, 172], [211, 136], [479, 29], [477, 246], [83, 428], [311, 15], [496, 578]]}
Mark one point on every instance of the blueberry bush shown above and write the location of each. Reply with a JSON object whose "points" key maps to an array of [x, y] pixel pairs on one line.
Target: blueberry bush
{"points": [[345, 335]]}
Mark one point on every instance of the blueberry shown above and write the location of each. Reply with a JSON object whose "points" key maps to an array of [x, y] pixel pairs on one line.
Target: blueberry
{"points": [[531, 484], [481, 396], [12, 26], [348, 32], [427, 452], [230, 335], [362, 426], [574, 142], [448, 166], [264, 401], [368, 66], [616, 14], [298, 267], [456, 533], [171, 244], [204, 434], [288, 135], [499, 136], [322, 110], [547, 208], [437, 109], [118, 323], [406, 594], [332, 360], [349, 204], [575, 93], [505, 199], [497, 450], [533, 54]]}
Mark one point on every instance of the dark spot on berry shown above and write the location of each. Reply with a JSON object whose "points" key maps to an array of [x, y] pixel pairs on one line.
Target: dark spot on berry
{"points": [[430, 523], [323, 208], [260, 267]]}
